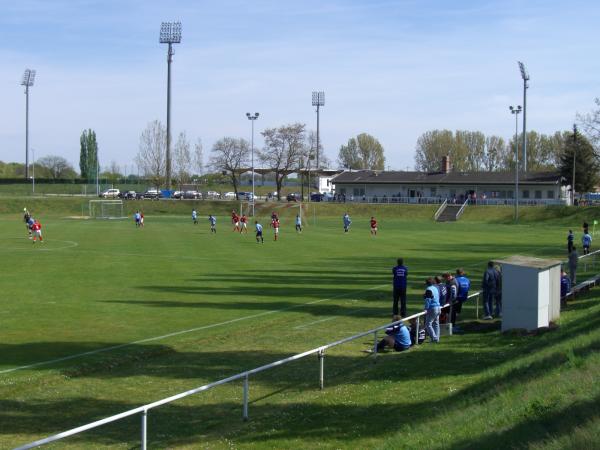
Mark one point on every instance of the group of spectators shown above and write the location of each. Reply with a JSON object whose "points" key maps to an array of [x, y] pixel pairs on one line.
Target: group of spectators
{"points": [[439, 290]]}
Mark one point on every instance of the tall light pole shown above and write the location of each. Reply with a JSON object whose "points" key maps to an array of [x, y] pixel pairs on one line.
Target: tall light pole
{"points": [[27, 81], [33, 170], [525, 76], [252, 118], [170, 33], [574, 156], [318, 100], [516, 112]]}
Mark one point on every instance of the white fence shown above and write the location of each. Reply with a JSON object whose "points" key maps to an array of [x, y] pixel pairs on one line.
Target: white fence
{"points": [[143, 410]]}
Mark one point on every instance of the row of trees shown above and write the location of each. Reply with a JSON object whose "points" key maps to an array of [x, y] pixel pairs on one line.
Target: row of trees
{"points": [[51, 167], [472, 151]]}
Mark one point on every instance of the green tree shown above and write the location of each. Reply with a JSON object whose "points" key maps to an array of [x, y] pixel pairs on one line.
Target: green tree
{"points": [[88, 154], [579, 149], [362, 152]]}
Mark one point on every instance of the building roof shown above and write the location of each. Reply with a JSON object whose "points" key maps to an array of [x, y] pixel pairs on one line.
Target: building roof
{"points": [[394, 177]]}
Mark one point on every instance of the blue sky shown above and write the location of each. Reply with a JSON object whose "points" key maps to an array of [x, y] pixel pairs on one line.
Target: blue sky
{"points": [[394, 69]]}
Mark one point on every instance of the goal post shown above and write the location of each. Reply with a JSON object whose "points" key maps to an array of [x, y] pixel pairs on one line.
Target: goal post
{"points": [[106, 209]]}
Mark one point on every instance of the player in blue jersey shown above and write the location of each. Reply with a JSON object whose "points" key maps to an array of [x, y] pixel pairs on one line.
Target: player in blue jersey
{"points": [[586, 241], [298, 223], [259, 232], [347, 222], [194, 217], [400, 273], [138, 219], [213, 223]]}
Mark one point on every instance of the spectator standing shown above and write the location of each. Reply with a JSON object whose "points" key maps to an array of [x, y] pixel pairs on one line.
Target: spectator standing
{"points": [[565, 286], [400, 273], [498, 312], [586, 241], [432, 310], [463, 285], [573, 259], [570, 239], [488, 286]]}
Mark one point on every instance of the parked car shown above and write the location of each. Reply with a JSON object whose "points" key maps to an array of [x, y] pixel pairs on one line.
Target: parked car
{"points": [[177, 194], [244, 195], [293, 197], [110, 193], [316, 197], [152, 194], [192, 195], [213, 195], [129, 195], [229, 196]]}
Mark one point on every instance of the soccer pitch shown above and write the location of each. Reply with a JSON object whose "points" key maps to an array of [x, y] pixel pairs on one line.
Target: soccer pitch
{"points": [[103, 317]]}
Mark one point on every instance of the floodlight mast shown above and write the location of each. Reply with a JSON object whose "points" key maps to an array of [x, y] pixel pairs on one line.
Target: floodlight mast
{"points": [[252, 118], [27, 81], [170, 33], [525, 77], [318, 100], [516, 112]]}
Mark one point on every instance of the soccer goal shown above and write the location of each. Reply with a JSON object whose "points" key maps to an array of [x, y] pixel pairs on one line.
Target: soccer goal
{"points": [[106, 209]]}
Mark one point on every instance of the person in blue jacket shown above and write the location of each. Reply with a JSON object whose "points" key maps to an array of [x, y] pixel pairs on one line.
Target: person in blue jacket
{"points": [[398, 337], [432, 309], [462, 294], [400, 273], [565, 285]]}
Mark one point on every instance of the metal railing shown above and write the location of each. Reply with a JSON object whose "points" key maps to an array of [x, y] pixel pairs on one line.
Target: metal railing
{"points": [[143, 410], [462, 209], [440, 210]]}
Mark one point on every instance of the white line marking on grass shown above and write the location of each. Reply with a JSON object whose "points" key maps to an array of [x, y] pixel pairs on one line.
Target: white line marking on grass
{"points": [[299, 327], [40, 247], [177, 333]]}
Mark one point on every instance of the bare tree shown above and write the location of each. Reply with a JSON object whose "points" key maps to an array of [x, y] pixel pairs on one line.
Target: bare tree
{"points": [[591, 124], [182, 159], [311, 144], [284, 146], [495, 158], [56, 166], [199, 157], [230, 155], [151, 154]]}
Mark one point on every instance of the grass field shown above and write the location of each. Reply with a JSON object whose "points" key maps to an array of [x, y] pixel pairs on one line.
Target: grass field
{"points": [[104, 317]]}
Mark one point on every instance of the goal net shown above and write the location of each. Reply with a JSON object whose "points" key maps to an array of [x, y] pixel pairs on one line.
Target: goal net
{"points": [[106, 209]]}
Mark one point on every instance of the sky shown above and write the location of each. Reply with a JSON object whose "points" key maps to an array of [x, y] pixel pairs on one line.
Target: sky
{"points": [[393, 69]]}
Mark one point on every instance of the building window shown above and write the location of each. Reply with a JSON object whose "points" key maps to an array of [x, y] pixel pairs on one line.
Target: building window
{"points": [[433, 192], [359, 192], [538, 194], [526, 194], [510, 194], [550, 194]]}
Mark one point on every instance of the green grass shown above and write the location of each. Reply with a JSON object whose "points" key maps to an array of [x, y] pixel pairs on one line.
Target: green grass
{"points": [[97, 284]]}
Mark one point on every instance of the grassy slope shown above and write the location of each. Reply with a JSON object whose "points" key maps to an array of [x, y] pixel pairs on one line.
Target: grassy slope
{"points": [[171, 277]]}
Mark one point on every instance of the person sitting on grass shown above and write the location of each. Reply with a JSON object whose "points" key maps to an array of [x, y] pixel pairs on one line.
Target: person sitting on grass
{"points": [[398, 338]]}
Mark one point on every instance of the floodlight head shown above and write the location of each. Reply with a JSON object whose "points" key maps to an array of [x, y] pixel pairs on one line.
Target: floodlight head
{"points": [[28, 77], [516, 110], [524, 73], [248, 115], [255, 114], [252, 117], [170, 33], [318, 98]]}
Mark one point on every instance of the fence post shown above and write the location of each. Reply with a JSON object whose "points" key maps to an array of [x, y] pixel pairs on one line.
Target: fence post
{"points": [[144, 428], [417, 323], [246, 389], [321, 369], [375, 343]]}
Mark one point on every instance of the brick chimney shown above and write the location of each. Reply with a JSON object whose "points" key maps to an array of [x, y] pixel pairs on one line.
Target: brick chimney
{"points": [[446, 164]]}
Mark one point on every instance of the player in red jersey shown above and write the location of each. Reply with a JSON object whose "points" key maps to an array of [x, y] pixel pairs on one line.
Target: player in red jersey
{"points": [[243, 224], [36, 228], [235, 219], [373, 226], [275, 225]]}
